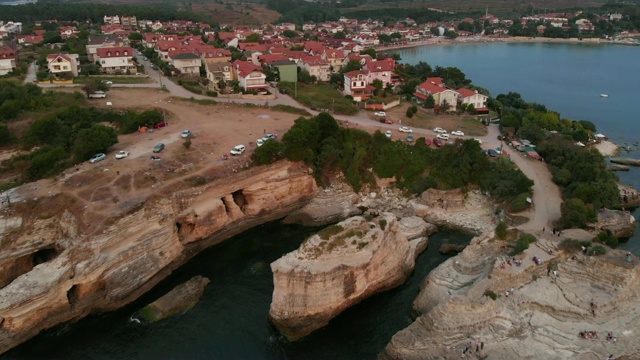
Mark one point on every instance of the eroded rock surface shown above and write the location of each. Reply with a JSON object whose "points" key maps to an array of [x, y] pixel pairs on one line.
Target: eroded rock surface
{"points": [[55, 268], [537, 314], [620, 223], [180, 299], [338, 267], [335, 203]]}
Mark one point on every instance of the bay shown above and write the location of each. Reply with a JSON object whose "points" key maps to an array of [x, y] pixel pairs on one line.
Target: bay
{"points": [[567, 78]]}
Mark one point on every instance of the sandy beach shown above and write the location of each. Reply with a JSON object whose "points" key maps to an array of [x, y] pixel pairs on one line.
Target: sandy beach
{"points": [[608, 148]]}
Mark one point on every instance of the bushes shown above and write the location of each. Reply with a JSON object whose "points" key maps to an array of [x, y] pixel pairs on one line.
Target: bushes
{"points": [[575, 213], [490, 294], [572, 245], [522, 244], [607, 238], [519, 203], [411, 111], [501, 230], [269, 152], [597, 250]]}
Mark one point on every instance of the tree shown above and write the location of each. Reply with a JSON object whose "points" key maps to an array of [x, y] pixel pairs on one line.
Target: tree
{"points": [[430, 102], [466, 26], [6, 136], [340, 35], [269, 152], [435, 31], [384, 38], [377, 83], [135, 36], [252, 38], [95, 139], [371, 52], [351, 66], [90, 87], [290, 33], [575, 213]]}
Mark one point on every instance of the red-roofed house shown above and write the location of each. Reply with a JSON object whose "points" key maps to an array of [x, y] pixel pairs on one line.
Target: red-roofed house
{"points": [[334, 57], [116, 59], [29, 39], [68, 32], [269, 59], [316, 66], [382, 70], [474, 98], [250, 76], [356, 85], [439, 92], [7, 60], [63, 65]]}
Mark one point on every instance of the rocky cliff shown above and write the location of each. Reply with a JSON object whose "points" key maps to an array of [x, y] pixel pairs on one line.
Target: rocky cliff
{"points": [[340, 266], [56, 268], [539, 311]]}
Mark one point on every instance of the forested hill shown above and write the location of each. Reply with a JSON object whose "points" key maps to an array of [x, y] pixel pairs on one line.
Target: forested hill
{"points": [[94, 12]]}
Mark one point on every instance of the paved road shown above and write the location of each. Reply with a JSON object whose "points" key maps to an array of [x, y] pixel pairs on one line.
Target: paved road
{"points": [[31, 73]]}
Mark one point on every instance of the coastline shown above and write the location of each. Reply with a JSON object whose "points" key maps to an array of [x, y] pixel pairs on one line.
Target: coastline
{"points": [[608, 148], [488, 40]]}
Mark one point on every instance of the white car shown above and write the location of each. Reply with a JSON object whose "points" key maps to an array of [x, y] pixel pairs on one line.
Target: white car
{"points": [[186, 134], [440, 130], [259, 142], [405, 129], [108, 82], [122, 154], [443, 136], [388, 134], [238, 150], [97, 157], [98, 95], [380, 113], [457, 133], [478, 140]]}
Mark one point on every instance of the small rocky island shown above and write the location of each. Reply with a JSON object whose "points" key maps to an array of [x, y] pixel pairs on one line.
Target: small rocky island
{"points": [[342, 265]]}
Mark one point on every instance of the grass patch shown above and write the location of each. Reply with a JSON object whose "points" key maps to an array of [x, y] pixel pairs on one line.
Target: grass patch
{"points": [[115, 79], [362, 245], [290, 109], [501, 230], [491, 294], [351, 233], [383, 224], [329, 231], [196, 181], [321, 97], [573, 245], [469, 124]]}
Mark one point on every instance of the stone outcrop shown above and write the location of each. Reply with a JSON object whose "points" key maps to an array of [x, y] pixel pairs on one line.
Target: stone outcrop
{"points": [[450, 249], [620, 223], [447, 199], [534, 315], [625, 161], [180, 299], [338, 267], [335, 203], [55, 268]]}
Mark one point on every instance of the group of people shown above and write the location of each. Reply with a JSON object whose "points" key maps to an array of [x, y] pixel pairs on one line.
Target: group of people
{"points": [[512, 261], [589, 335], [536, 260]]}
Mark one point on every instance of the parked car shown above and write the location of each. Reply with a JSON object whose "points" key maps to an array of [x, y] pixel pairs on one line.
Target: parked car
{"points": [[259, 142], [438, 143], [388, 134], [443, 136], [282, 91], [160, 125], [405, 129], [478, 140], [268, 136], [498, 150], [108, 82], [146, 58], [427, 142], [410, 137], [457, 133], [380, 113], [159, 147], [122, 154], [186, 134], [440, 130], [492, 153], [237, 150], [97, 157], [97, 95], [388, 121]]}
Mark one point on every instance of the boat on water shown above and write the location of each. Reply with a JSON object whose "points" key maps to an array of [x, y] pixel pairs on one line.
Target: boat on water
{"points": [[604, 95]]}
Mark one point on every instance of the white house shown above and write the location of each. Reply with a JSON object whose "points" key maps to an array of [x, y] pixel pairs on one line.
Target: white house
{"points": [[116, 60], [7, 60], [473, 97]]}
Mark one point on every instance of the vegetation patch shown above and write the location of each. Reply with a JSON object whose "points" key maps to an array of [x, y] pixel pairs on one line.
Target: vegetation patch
{"points": [[329, 231], [490, 294], [607, 238], [200, 101], [383, 224], [597, 250], [113, 79], [501, 230], [321, 97], [290, 109], [522, 244], [573, 245]]}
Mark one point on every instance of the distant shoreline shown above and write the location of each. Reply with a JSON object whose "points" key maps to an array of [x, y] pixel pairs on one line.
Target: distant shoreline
{"points": [[486, 40]]}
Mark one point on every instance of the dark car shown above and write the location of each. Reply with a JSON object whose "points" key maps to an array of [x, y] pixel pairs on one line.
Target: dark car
{"points": [[159, 147], [160, 125], [282, 91], [410, 137], [437, 142], [492, 153]]}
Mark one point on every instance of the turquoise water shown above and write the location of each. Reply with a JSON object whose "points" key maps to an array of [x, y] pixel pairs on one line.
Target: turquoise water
{"points": [[567, 78], [230, 321]]}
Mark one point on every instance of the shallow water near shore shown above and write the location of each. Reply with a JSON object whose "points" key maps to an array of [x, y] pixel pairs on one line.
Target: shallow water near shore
{"points": [[230, 321]]}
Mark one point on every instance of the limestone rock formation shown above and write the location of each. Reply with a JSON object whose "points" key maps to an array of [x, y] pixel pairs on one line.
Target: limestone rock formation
{"points": [[337, 268], [450, 249], [534, 315], [621, 224], [54, 267], [180, 299], [335, 203]]}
